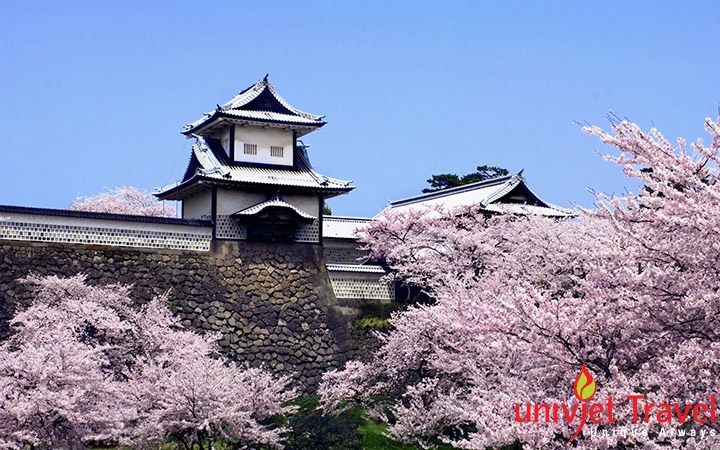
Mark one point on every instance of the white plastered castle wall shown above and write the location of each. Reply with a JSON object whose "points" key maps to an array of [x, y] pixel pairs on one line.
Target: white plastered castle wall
{"points": [[307, 203], [265, 139], [120, 233], [361, 286], [343, 251], [230, 201], [198, 206]]}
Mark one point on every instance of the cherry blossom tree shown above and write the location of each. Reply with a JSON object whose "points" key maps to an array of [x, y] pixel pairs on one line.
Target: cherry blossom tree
{"points": [[86, 366], [124, 200], [184, 394], [56, 391], [631, 289]]}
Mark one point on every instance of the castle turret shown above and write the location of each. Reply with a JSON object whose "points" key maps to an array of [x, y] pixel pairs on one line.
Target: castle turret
{"points": [[250, 174]]}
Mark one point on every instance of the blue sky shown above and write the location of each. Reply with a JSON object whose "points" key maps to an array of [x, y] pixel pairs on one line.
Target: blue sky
{"points": [[94, 94]]}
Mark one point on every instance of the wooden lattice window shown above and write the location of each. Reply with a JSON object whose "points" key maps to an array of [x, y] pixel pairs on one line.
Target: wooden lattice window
{"points": [[276, 152], [250, 149]]}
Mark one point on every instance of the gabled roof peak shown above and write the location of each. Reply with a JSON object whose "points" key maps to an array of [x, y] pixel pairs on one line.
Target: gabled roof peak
{"points": [[276, 203], [508, 193], [258, 103], [512, 179], [245, 98]]}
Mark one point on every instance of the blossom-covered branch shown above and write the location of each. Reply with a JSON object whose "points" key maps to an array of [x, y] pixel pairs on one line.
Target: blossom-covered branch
{"points": [[86, 366], [631, 289], [124, 200]]}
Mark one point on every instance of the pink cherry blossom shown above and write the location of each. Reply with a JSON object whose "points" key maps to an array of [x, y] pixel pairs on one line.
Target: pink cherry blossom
{"points": [[84, 365], [630, 288], [124, 200]]}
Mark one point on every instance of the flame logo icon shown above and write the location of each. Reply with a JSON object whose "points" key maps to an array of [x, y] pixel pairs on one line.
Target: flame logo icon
{"points": [[584, 387]]}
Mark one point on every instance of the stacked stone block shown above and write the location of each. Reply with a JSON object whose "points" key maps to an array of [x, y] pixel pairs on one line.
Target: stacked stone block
{"points": [[272, 304]]}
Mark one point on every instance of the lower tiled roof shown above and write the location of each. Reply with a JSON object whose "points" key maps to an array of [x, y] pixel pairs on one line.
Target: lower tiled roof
{"points": [[356, 268], [490, 195], [340, 227], [275, 202], [210, 163]]}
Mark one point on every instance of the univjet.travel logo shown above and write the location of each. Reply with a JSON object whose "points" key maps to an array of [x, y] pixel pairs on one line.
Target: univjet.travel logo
{"points": [[596, 413]]}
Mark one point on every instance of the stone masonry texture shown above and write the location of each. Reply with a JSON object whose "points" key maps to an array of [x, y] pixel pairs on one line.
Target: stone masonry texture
{"points": [[272, 304]]}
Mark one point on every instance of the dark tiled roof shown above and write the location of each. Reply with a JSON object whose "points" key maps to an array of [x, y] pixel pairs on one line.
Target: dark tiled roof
{"points": [[258, 103], [209, 163], [275, 202], [495, 195]]}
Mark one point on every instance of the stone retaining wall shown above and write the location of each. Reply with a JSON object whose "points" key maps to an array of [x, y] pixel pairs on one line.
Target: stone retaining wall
{"points": [[272, 303]]}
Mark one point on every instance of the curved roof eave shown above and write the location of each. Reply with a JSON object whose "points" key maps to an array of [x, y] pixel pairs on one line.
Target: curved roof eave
{"points": [[276, 202], [488, 195], [200, 182], [217, 116], [251, 93], [234, 109], [504, 180]]}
